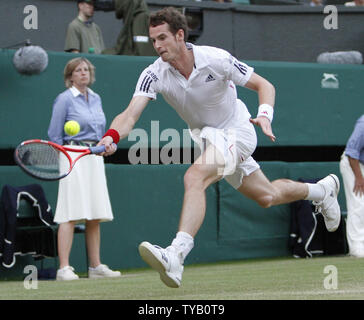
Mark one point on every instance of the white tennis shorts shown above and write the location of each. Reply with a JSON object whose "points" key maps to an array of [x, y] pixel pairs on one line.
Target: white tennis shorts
{"points": [[236, 145]]}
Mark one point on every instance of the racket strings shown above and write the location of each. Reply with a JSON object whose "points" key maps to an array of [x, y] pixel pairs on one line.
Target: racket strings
{"points": [[43, 160]]}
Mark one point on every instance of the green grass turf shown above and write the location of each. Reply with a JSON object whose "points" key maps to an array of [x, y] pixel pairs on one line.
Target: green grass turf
{"points": [[266, 279]]}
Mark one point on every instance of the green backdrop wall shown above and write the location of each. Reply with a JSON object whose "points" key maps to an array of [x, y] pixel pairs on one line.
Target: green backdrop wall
{"points": [[147, 199], [316, 104]]}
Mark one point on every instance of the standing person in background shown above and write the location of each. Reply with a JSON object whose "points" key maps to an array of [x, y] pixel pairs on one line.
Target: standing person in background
{"points": [[133, 39], [352, 171], [83, 194], [316, 3], [355, 3], [84, 35]]}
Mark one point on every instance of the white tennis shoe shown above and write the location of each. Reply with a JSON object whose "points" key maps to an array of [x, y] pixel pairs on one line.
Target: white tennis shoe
{"points": [[329, 206], [102, 271], [66, 274], [165, 261]]}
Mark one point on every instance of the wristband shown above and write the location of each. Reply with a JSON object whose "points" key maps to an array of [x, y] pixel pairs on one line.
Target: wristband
{"points": [[265, 110], [113, 134]]}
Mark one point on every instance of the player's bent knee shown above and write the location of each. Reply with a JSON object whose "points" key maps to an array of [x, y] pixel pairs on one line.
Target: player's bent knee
{"points": [[265, 201], [192, 179], [195, 178]]}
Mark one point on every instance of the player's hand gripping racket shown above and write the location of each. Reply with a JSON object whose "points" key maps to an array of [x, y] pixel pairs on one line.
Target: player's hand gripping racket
{"points": [[46, 160]]}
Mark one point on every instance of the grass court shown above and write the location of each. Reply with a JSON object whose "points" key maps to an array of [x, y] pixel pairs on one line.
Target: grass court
{"points": [[320, 278]]}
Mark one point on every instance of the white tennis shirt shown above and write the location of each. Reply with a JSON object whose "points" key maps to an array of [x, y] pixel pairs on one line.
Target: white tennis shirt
{"points": [[208, 97]]}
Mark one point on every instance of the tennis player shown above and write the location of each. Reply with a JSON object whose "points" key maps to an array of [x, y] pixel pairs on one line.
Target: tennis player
{"points": [[199, 83]]}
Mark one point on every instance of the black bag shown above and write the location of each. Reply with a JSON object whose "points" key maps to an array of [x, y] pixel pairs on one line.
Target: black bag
{"points": [[36, 235]]}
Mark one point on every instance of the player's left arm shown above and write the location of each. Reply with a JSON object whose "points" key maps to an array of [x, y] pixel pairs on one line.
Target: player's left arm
{"points": [[266, 95]]}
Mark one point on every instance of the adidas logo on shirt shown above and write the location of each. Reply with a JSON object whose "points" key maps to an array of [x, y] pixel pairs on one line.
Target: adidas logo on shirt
{"points": [[210, 78]]}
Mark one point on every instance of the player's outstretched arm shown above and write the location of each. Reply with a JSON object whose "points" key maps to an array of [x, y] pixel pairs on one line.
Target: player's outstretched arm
{"points": [[266, 95], [123, 123]]}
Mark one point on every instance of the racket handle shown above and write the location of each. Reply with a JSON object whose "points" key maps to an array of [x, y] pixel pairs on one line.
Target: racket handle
{"points": [[98, 149]]}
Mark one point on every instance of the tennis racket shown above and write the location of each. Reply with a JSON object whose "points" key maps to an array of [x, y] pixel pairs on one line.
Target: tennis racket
{"points": [[47, 160]]}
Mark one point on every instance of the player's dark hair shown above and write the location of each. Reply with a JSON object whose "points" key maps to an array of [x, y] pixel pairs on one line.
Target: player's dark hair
{"points": [[173, 17]]}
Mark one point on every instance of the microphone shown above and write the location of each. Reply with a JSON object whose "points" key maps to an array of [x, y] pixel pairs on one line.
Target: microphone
{"points": [[30, 59], [341, 57]]}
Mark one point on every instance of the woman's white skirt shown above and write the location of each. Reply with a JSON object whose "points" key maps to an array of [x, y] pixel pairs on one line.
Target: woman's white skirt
{"points": [[83, 194]]}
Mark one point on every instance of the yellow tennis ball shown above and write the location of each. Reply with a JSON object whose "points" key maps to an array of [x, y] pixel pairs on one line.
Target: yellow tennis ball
{"points": [[72, 127]]}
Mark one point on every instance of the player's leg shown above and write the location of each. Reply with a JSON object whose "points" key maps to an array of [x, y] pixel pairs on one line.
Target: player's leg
{"points": [[323, 194], [206, 170], [257, 187]]}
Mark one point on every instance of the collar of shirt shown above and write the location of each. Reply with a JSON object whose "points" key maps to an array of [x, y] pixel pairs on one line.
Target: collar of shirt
{"points": [[199, 57], [87, 22], [75, 92]]}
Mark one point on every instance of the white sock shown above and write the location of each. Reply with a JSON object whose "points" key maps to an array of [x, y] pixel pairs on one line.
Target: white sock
{"points": [[316, 192], [183, 242]]}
